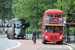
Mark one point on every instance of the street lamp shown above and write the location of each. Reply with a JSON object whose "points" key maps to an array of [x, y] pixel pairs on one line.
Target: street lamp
{"points": [[17, 0], [61, 4], [37, 14], [45, 2], [10, 8]]}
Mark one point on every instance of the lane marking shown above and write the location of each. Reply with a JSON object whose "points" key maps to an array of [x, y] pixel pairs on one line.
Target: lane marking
{"points": [[14, 46], [69, 47], [42, 47], [55, 47]]}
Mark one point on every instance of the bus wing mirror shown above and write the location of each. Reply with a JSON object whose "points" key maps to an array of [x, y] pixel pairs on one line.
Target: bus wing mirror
{"points": [[27, 24]]}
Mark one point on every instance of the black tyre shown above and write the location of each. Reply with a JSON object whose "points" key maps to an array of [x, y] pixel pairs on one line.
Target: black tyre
{"points": [[61, 42], [8, 36], [23, 38], [44, 41], [58, 42]]}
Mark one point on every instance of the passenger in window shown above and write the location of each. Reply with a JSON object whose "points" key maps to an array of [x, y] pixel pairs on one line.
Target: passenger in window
{"points": [[57, 15], [60, 29], [48, 30], [49, 15]]}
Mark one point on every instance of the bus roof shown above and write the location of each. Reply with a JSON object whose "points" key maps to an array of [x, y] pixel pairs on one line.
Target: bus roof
{"points": [[53, 11]]}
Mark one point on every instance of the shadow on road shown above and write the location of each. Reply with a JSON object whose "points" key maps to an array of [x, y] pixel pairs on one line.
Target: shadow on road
{"points": [[51, 43]]}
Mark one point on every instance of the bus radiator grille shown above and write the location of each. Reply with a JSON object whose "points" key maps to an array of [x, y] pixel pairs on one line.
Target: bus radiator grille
{"points": [[53, 38]]}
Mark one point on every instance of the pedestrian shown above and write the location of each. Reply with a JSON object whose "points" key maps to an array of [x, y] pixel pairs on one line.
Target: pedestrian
{"points": [[34, 36], [37, 34]]}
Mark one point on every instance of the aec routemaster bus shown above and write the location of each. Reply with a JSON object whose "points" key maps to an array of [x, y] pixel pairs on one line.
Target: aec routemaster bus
{"points": [[16, 28], [52, 26]]}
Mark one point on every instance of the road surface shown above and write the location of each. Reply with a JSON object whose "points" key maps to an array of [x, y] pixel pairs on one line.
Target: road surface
{"points": [[5, 44], [21, 44]]}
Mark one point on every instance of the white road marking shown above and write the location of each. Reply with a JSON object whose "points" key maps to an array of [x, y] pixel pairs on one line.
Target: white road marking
{"points": [[69, 47], [58, 47], [14, 46], [42, 47]]}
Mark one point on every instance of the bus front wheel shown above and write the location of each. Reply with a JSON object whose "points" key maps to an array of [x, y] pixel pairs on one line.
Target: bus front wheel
{"points": [[44, 41], [59, 42]]}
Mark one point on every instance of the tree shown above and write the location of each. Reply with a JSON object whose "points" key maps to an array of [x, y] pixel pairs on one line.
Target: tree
{"points": [[68, 9], [27, 9]]}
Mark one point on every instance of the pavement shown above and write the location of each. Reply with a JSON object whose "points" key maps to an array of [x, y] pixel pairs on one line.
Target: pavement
{"points": [[72, 44]]}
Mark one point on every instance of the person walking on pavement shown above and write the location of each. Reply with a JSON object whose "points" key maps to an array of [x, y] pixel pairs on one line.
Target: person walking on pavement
{"points": [[34, 36], [37, 34]]}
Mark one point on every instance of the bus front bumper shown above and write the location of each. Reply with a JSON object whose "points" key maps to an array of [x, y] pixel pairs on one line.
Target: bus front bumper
{"points": [[20, 36], [53, 38]]}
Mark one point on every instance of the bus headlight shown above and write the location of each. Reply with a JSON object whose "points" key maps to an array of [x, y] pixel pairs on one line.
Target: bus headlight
{"points": [[46, 37], [60, 37]]}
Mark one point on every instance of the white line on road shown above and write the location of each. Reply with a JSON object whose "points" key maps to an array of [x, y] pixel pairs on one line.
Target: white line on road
{"points": [[69, 47], [14, 46], [42, 47]]}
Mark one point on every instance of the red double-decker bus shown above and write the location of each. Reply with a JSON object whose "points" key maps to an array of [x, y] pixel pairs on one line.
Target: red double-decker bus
{"points": [[52, 26]]}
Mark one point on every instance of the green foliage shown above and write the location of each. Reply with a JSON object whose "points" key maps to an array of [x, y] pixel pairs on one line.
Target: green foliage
{"points": [[68, 9], [27, 9], [72, 30], [4, 9]]}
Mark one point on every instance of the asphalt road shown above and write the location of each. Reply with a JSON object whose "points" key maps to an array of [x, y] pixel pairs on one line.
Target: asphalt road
{"points": [[52, 46], [5, 44], [28, 45]]}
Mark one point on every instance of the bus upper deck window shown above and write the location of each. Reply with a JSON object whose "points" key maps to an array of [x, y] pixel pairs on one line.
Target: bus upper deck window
{"points": [[57, 15], [49, 14], [43, 21], [46, 20]]}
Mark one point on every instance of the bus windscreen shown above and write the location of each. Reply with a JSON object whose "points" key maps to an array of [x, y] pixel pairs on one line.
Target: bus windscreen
{"points": [[57, 29], [49, 28]]}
